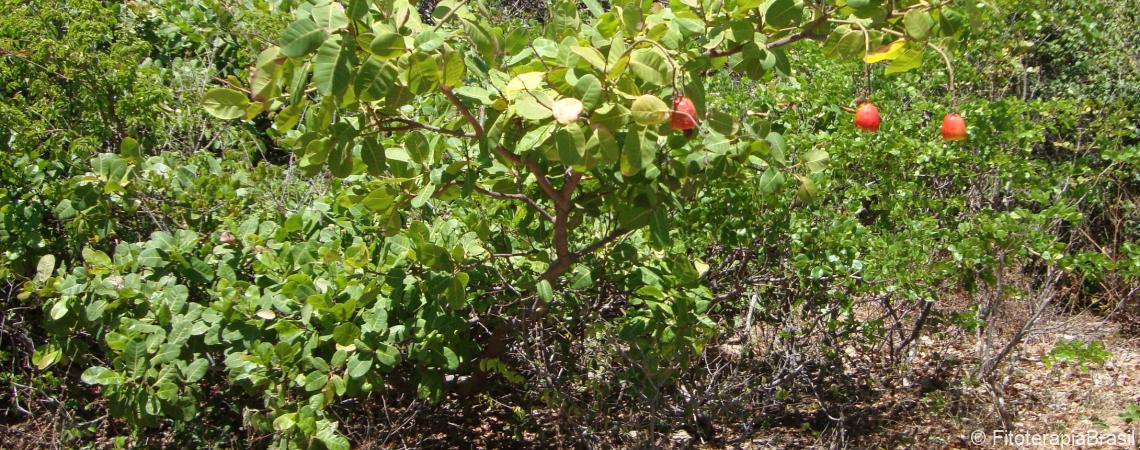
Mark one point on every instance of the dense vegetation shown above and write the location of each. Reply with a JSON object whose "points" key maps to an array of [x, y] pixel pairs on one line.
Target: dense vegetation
{"points": [[291, 224]]}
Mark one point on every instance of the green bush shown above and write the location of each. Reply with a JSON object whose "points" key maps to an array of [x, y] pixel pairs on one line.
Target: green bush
{"points": [[392, 205]]}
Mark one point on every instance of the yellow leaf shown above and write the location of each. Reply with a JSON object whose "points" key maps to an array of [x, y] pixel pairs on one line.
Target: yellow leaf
{"points": [[525, 81], [886, 52]]}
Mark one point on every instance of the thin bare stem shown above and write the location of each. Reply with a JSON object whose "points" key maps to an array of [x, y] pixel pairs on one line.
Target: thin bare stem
{"points": [[520, 197], [950, 70]]}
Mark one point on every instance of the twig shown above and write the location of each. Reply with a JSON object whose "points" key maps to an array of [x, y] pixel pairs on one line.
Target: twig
{"points": [[520, 197]]}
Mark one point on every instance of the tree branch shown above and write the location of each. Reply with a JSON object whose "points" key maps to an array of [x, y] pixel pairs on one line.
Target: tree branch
{"points": [[410, 124], [520, 197], [789, 39], [532, 165], [572, 180], [613, 235], [540, 174], [463, 110]]}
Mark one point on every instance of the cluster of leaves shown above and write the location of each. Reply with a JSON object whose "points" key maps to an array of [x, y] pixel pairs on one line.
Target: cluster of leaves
{"points": [[1077, 353], [462, 198]]}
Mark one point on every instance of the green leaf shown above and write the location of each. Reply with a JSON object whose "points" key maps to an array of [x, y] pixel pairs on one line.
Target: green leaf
{"points": [[316, 153], [451, 358], [545, 291], [388, 355], [302, 37], [195, 370], [778, 147], [151, 257], [591, 55], [535, 138], [918, 24], [814, 160], [1131, 413], [428, 41], [844, 43], [46, 356], [581, 279], [340, 156], [456, 291], [315, 381], [129, 149], [487, 41], [285, 422], [453, 70], [530, 109], [418, 147], [908, 59], [807, 192], [373, 155], [387, 45], [346, 333], [330, 16], [357, 9], [589, 91], [649, 65], [378, 200], [649, 110], [45, 267], [375, 79], [59, 310], [333, 441], [637, 151], [101, 376], [290, 116], [96, 258], [331, 70], [782, 13], [340, 160], [225, 104], [570, 143], [266, 73], [358, 365], [771, 181], [659, 228], [632, 217], [423, 73], [424, 195]]}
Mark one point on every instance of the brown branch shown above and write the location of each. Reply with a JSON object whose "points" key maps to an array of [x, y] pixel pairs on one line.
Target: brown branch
{"points": [[520, 197], [613, 235], [410, 124], [572, 180], [562, 207], [540, 174], [532, 165], [789, 39], [463, 110]]}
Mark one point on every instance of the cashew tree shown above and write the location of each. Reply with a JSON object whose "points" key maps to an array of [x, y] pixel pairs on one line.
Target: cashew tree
{"points": [[549, 144]]}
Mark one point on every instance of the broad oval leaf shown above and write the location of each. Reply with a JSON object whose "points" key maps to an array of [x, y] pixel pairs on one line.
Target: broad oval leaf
{"points": [[649, 110], [650, 65], [331, 70], [525, 82], [224, 103], [302, 37], [918, 24], [782, 13], [330, 16], [387, 46]]}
